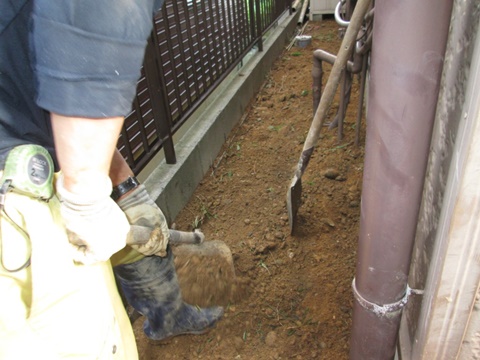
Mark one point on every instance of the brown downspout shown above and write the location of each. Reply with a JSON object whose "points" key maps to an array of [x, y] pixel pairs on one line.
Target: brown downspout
{"points": [[409, 40]]}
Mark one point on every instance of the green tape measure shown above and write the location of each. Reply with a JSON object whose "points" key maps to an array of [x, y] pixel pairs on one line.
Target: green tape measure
{"points": [[29, 170]]}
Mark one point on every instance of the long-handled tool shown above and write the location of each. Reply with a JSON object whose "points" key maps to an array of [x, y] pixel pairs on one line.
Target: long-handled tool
{"points": [[294, 192], [141, 235]]}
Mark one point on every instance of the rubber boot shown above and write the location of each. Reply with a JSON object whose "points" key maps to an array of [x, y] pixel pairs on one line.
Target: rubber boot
{"points": [[151, 287]]}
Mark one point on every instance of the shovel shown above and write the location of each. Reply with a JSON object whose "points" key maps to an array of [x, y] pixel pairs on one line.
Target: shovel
{"points": [[294, 192]]}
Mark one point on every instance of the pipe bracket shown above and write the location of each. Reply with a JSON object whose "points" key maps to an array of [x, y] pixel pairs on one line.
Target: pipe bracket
{"points": [[386, 309]]}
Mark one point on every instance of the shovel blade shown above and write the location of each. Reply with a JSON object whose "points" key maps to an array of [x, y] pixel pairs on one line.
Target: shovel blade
{"points": [[294, 199], [206, 274]]}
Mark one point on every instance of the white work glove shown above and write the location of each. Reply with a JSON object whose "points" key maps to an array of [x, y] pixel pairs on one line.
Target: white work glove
{"points": [[96, 227], [142, 211]]}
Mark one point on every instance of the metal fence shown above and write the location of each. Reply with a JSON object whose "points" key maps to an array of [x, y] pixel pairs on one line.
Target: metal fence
{"points": [[194, 46]]}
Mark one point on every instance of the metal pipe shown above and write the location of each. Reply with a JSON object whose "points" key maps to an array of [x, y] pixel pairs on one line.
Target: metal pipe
{"points": [[338, 17], [346, 85], [361, 91], [317, 76], [295, 5], [319, 56], [303, 12], [353, 67], [409, 43], [362, 48], [345, 89]]}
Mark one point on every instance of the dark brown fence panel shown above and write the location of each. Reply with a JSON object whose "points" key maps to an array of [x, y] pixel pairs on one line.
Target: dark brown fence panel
{"points": [[194, 46]]}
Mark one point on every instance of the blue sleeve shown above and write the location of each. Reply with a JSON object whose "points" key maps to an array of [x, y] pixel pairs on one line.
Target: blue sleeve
{"points": [[87, 54]]}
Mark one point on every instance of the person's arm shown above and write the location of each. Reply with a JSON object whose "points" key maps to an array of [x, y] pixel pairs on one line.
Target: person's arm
{"points": [[85, 148], [87, 57], [96, 226]]}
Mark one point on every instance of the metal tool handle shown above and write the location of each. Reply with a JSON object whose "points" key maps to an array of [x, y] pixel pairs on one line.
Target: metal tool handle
{"points": [[141, 235]]}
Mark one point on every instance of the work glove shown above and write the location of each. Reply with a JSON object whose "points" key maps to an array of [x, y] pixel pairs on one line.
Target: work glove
{"points": [[142, 212], [96, 227]]}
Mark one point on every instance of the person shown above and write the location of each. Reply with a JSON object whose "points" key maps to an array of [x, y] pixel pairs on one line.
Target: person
{"points": [[68, 72]]}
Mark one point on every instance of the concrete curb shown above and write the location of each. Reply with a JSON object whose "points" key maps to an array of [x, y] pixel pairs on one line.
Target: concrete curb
{"points": [[172, 185]]}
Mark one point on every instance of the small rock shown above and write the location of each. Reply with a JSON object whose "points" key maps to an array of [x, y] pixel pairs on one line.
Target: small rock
{"points": [[247, 221], [269, 237], [238, 343], [263, 248], [354, 204], [271, 339], [329, 222], [331, 173]]}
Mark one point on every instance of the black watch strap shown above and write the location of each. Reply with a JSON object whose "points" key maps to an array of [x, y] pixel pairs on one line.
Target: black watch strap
{"points": [[124, 187]]}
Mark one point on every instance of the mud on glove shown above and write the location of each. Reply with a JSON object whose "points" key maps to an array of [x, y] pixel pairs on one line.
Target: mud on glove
{"points": [[96, 226], [141, 210]]}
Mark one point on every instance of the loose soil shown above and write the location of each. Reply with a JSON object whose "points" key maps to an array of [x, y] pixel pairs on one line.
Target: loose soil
{"points": [[296, 298]]}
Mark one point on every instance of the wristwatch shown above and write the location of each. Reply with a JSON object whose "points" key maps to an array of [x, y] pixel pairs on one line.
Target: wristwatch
{"points": [[124, 187]]}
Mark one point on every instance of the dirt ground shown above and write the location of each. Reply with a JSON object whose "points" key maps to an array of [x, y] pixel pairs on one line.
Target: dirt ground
{"points": [[297, 298]]}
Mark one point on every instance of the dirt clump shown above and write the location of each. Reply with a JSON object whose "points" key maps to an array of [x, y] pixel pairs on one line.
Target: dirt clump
{"points": [[298, 303], [206, 274]]}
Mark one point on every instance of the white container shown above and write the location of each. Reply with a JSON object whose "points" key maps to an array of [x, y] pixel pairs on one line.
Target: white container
{"points": [[303, 40], [318, 8]]}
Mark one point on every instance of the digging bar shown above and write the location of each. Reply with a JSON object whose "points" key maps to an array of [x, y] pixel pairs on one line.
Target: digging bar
{"points": [[294, 192]]}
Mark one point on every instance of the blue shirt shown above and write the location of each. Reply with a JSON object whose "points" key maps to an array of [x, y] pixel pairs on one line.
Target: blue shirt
{"points": [[76, 58]]}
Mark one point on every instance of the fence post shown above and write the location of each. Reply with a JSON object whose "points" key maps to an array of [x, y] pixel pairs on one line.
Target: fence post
{"points": [[157, 95], [258, 19]]}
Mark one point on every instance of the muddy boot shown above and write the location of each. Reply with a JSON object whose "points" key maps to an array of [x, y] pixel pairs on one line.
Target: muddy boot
{"points": [[151, 287]]}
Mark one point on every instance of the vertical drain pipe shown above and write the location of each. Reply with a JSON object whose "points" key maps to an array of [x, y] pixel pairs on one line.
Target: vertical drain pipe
{"points": [[409, 40]]}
